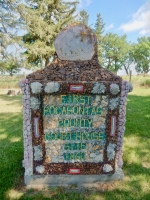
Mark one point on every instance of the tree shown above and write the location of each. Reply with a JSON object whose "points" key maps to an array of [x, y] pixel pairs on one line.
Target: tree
{"points": [[9, 26], [44, 20], [11, 61], [99, 29], [127, 59], [83, 17], [115, 49], [141, 55], [11, 66]]}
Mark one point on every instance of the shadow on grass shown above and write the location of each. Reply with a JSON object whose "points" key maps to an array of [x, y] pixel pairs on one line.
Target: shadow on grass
{"points": [[133, 191], [132, 188], [11, 151], [137, 178]]}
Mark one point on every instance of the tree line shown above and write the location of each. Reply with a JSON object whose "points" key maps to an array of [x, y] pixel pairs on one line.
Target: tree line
{"points": [[28, 30]]}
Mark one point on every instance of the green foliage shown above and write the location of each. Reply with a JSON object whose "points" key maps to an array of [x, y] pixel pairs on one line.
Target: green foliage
{"points": [[141, 55], [9, 65], [9, 43], [127, 59], [115, 50], [8, 25], [44, 20], [99, 29], [83, 17]]}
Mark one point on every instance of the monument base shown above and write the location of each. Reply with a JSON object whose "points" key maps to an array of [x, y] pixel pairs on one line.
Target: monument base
{"points": [[68, 180]]}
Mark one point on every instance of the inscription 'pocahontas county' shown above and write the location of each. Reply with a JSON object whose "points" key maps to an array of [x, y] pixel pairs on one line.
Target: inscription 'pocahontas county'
{"points": [[66, 117]]}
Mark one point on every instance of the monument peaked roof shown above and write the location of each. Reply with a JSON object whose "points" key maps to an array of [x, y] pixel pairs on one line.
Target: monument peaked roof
{"points": [[73, 71], [75, 59]]}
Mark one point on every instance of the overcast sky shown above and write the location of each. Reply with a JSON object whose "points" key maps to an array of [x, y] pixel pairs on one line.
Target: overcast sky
{"points": [[130, 17]]}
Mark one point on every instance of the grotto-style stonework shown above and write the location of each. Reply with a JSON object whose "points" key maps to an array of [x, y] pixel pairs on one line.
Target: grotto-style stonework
{"points": [[74, 112]]}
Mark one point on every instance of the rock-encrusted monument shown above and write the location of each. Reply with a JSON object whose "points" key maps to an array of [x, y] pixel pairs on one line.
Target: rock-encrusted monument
{"points": [[74, 115]]}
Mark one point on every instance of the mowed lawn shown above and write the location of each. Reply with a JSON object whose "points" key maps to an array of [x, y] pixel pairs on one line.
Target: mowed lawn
{"points": [[136, 184]]}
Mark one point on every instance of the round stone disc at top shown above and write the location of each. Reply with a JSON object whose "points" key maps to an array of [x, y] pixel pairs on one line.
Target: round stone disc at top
{"points": [[76, 42]]}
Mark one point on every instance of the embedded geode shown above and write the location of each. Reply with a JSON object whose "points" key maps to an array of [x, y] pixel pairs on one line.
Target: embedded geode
{"points": [[99, 88], [114, 102], [38, 154], [52, 87], [107, 168], [114, 89], [36, 87], [111, 151], [40, 169], [34, 103]]}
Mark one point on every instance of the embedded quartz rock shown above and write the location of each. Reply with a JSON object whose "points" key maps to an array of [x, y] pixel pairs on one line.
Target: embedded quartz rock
{"points": [[129, 87], [98, 88], [36, 87], [40, 169], [38, 155], [52, 87], [34, 103], [29, 171], [107, 168], [114, 89], [113, 103], [111, 151], [76, 42]]}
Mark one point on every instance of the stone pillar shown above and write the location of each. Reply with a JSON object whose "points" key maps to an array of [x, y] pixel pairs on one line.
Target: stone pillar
{"points": [[125, 89], [27, 134]]}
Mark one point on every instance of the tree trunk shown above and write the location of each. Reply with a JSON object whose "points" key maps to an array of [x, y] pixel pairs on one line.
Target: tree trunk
{"points": [[108, 66], [46, 61], [11, 72], [115, 67], [130, 76], [126, 70]]}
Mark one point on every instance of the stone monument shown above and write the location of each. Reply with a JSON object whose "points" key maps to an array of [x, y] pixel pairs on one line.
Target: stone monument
{"points": [[74, 115]]}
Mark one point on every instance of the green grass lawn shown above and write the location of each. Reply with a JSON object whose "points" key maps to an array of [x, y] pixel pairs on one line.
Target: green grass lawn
{"points": [[136, 184]]}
